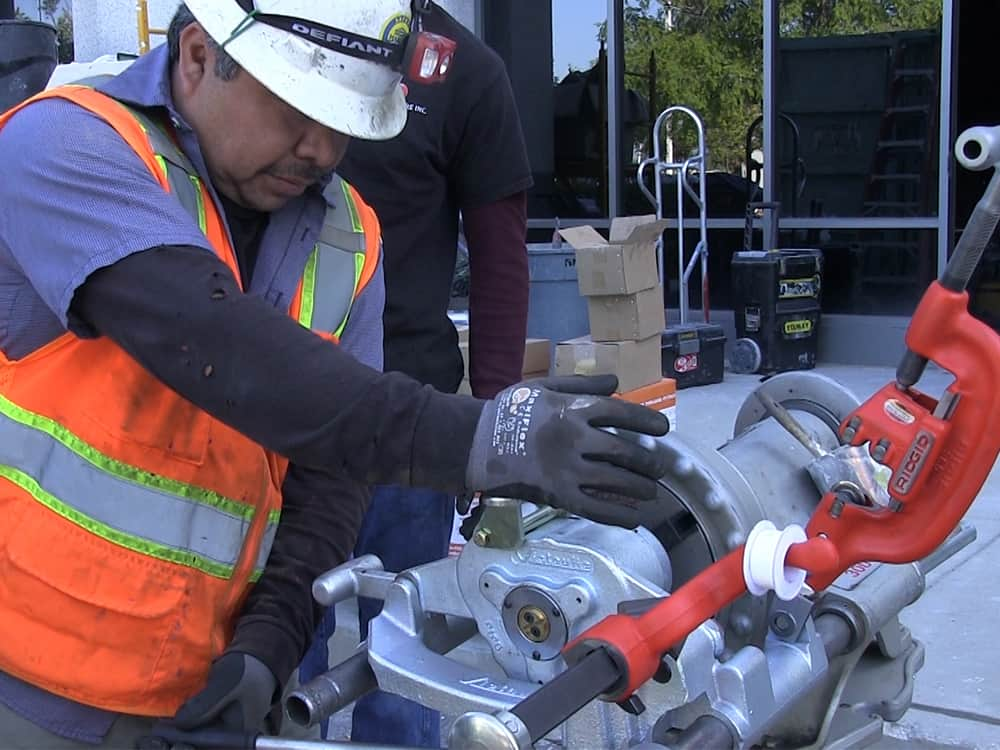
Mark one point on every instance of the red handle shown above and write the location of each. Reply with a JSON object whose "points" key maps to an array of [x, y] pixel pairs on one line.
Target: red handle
{"points": [[939, 464]]}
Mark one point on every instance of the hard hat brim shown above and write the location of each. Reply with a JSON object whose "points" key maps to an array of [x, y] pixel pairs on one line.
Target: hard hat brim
{"points": [[309, 87]]}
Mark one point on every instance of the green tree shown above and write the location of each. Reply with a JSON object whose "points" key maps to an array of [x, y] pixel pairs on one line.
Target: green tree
{"points": [[834, 17], [709, 54], [49, 9], [708, 57], [64, 34]]}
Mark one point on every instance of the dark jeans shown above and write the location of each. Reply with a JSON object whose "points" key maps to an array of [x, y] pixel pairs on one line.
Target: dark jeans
{"points": [[404, 527]]}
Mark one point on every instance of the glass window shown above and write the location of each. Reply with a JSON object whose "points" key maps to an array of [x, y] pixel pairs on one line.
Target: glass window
{"points": [[707, 56], [865, 272], [858, 88], [872, 271], [557, 61]]}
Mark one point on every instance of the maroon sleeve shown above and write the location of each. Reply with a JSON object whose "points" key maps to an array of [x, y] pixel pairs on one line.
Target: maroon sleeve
{"points": [[498, 296]]}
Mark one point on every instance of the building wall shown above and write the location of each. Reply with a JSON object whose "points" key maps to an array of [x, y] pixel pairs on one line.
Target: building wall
{"points": [[104, 27]]}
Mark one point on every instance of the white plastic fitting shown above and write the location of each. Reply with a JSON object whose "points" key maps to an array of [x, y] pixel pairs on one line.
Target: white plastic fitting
{"points": [[978, 148], [764, 556]]}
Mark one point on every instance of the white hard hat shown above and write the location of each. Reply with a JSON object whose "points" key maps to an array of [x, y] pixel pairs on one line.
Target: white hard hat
{"points": [[336, 62]]}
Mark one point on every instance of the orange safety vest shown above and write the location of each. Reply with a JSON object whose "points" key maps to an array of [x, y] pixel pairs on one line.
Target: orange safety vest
{"points": [[134, 524]]}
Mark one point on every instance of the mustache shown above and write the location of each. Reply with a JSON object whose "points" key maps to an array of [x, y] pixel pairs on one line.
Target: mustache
{"points": [[303, 172]]}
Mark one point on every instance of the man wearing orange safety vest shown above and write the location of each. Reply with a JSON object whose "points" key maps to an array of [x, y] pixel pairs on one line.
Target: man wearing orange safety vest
{"points": [[190, 408]]}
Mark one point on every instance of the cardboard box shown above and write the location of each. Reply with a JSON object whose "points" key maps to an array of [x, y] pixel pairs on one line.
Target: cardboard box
{"points": [[537, 355], [636, 363], [661, 396], [627, 317], [624, 265]]}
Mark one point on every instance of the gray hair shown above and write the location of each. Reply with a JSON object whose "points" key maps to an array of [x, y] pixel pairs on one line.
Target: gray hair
{"points": [[226, 67]]}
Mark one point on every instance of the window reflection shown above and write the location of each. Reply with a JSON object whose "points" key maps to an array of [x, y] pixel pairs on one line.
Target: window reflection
{"points": [[861, 91], [556, 57], [865, 272], [706, 56]]}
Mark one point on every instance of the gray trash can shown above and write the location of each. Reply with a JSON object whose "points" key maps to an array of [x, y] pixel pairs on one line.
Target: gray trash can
{"points": [[556, 311], [28, 55]]}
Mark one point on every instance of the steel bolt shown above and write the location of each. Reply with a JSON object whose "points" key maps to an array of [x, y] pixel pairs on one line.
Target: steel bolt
{"points": [[879, 451], [837, 508], [481, 537], [783, 624]]}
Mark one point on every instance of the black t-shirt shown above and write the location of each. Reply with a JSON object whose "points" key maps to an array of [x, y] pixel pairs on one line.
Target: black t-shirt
{"points": [[462, 147], [247, 229]]}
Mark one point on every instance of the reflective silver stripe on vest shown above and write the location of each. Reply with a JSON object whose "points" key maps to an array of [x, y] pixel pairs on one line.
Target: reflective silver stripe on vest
{"points": [[336, 265], [142, 512], [178, 167]]}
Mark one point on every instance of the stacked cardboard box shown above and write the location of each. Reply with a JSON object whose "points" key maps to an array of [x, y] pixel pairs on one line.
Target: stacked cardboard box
{"points": [[537, 359], [624, 303]]}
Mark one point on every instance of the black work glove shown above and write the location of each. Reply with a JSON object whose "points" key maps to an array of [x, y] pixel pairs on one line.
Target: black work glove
{"points": [[238, 696], [542, 441]]}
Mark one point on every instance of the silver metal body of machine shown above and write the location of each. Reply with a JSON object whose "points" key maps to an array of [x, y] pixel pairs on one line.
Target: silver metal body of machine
{"points": [[471, 636]]}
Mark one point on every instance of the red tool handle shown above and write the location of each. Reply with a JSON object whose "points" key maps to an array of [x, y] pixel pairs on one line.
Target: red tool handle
{"points": [[939, 462]]}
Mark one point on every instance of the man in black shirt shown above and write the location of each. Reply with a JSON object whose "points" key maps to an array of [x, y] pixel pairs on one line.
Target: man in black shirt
{"points": [[461, 152]]}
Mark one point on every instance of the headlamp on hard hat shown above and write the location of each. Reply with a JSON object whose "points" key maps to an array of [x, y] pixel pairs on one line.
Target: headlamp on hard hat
{"points": [[421, 56]]}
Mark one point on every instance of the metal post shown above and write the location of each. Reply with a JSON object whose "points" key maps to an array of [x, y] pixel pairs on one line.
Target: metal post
{"points": [[615, 69], [769, 136], [142, 23], [945, 129]]}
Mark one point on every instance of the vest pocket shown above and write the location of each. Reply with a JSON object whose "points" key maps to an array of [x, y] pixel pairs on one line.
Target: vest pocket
{"points": [[141, 412], [88, 619]]}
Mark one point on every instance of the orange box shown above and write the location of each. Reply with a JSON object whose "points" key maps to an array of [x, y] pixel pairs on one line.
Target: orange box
{"points": [[661, 396]]}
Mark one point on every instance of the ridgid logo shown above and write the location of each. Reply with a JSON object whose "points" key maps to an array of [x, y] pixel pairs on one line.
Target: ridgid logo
{"points": [[914, 462]]}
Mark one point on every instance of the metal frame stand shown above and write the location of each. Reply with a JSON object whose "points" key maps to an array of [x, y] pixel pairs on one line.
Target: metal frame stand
{"points": [[682, 174]]}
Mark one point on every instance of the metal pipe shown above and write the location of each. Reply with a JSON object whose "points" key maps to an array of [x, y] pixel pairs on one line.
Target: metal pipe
{"points": [[331, 691], [705, 732], [961, 537], [976, 149], [783, 417], [836, 633], [165, 736], [279, 743], [557, 700]]}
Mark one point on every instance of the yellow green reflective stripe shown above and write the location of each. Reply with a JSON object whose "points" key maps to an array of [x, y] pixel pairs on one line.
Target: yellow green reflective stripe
{"points": [[359, 267], [134, 543], [352, 209], [122, 503], [161, 161], [112, 466], [200, 199], [308, 301]]}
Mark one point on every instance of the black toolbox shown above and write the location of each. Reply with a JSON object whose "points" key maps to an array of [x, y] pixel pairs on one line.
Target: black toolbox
{"points": [[693, 353], [776, 302]]}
